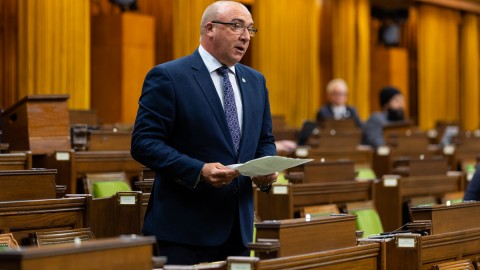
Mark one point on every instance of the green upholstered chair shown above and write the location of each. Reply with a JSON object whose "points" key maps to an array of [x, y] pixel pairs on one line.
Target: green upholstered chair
{"points": [[102, 185], [368, 219]]}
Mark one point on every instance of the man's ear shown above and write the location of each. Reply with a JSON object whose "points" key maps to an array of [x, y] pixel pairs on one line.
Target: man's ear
{"points": [[209, 28]]}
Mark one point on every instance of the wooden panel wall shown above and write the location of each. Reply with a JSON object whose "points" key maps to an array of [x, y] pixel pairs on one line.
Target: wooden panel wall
{"points": [[54, 49], [161, 11], [389, 67], [123, 52], [8, 52]]}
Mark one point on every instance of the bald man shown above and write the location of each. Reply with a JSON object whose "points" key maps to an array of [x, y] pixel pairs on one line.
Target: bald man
{"points": [[196, 115]]}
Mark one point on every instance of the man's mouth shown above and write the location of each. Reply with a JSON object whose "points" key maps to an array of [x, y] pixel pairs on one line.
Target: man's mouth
{"points": [[240, 48]]}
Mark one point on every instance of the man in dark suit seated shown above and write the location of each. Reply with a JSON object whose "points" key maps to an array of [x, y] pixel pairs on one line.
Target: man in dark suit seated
{"points": [[196, 115], [392, 104], [337, 108]]}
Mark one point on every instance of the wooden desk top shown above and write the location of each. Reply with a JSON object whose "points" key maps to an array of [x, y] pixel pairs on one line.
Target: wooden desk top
{"points": [[109, 254], [302, 235]]}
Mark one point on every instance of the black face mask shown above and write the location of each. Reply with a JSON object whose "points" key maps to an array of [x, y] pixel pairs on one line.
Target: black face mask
{"points": [[395, 114]]}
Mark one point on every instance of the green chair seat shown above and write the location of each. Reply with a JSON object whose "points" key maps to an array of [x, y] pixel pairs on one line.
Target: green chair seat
{"points": [[366, 174], [103, 189]]}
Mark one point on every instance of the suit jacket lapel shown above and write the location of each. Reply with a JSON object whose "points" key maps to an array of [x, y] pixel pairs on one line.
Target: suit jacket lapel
{"points": [[203, 78]]}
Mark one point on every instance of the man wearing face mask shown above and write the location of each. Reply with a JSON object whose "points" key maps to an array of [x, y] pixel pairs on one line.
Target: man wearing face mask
{"points": [[392, 103]]}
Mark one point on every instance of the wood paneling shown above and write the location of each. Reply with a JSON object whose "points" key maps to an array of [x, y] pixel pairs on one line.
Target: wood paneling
{"points": [[121, 57], [8, 52], [389, 67], [54, 49]]}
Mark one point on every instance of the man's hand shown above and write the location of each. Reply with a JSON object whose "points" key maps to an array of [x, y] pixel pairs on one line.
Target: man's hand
{"points": [[265, 182], [217, 174]]}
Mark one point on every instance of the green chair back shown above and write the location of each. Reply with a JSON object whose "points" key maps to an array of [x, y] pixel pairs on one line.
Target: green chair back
{"points": [[368, 221]]}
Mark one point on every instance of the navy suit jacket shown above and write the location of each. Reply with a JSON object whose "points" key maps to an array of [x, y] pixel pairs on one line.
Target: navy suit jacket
{"points": [[181, 125]]}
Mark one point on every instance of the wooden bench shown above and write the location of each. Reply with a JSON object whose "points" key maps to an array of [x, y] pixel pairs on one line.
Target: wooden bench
{"points": [[300, 236], [392, 192], [23, 218], [450, 235], [385, 158], [122, 253], [455, 265], [109, 140], [329, 171], [284, 201], [335, 139], [27, 184], [366, 257], [448, 218], [16, 161], [72, 166], [120, 214], [420, 167], [361, 156]]}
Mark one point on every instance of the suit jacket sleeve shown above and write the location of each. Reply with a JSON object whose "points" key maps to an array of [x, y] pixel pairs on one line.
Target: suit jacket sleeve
{"points": [[373, 132], [153, 128]]}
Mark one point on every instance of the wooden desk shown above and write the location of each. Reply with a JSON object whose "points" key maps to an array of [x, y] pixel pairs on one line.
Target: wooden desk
{"points": [[329, 171], [413, 251], [109, 140], [72, 166], [39, 123], [284, 200], [363, 257], [24, 217], [361, 156], [336, 139], [448, 218], [16, 161], [120, 214], [385, 157], [19, 185], [106, 254], [392, 192], [300, 236]]}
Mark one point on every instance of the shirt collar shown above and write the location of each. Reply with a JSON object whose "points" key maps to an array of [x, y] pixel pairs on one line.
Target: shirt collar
{"points": [[210, 61]]}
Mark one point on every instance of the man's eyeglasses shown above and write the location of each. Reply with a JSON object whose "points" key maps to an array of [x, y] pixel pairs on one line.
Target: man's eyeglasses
{"points": [[239, 28]]}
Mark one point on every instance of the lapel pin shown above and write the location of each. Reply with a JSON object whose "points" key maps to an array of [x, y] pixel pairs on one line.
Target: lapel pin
{"points": [[243, 80]]}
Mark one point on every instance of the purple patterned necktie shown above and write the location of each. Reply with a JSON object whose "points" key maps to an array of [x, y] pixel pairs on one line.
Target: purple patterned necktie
{"points": [[230, 108]]}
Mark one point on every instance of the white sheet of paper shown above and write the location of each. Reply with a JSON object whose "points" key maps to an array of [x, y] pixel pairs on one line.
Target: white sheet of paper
{"points": [[267, 165]]}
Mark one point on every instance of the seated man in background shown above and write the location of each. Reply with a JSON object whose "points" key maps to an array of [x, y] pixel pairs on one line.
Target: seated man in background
{"points": [[392, 104], [472, 193], [337, 108]]}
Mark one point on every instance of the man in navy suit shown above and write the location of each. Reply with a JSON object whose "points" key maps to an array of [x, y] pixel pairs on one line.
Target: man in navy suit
{"points": [[200, 210]]}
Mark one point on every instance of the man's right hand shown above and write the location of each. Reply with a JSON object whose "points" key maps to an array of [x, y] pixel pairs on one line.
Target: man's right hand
{"points": [[217, 175]]}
